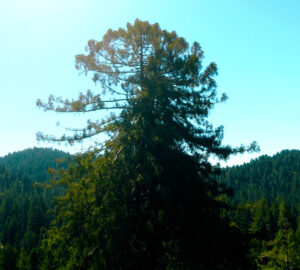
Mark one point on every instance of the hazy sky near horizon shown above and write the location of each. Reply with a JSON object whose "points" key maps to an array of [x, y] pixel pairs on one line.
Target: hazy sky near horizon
{"points": [[256, 45]]}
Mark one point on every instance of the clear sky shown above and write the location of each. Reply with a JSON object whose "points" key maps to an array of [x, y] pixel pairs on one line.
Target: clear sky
{"points": [[256, 45]]}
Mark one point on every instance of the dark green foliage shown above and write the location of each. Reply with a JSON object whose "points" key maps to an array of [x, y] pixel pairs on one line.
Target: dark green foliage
{"points": [[31, 165], [274, 178], [23, 208], [8, 257], [281, 251], [86, 233], [266, 204]]}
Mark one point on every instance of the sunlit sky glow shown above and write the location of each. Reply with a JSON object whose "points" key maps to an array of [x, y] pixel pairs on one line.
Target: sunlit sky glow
{"points": [[256, 45]]}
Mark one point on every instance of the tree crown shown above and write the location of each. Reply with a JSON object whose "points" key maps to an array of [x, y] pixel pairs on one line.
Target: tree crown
{"points": [[154, 83]]}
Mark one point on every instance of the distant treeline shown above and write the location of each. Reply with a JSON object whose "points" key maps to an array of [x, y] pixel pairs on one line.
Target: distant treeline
{"points": [[275, 178]]}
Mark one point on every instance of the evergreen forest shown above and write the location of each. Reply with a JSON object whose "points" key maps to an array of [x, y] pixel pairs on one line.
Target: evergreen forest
{"points": [[146, 195]]}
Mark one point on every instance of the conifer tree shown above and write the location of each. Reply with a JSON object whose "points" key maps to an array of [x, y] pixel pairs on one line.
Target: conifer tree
{"points": [[282, 252], [146, 197], [261, 226]]}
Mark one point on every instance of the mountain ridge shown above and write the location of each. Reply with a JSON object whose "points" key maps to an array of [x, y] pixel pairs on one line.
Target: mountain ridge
{"points": [[273, 177]]}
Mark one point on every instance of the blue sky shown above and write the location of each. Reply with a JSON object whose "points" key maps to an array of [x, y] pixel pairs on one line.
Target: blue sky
{"points": [[256, 45]]}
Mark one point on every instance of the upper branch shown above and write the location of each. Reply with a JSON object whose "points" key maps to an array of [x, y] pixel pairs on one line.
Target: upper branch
{"points": [[85, 103]]}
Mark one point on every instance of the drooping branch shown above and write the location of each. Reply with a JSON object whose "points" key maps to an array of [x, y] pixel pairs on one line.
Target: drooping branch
{"points": [[70, 139], [92, 129], [85, 103]]}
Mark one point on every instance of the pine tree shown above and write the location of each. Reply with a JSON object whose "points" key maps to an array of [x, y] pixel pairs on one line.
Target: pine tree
{"points": [[261, 225], [282, 252], [146, 197]]}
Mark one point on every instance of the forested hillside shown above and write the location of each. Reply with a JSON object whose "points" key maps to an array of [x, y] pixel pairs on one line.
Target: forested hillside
{"points": [[33, 163], [274, 178], [265, 208], [148, 196], [266, 205], [23, 207]]}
